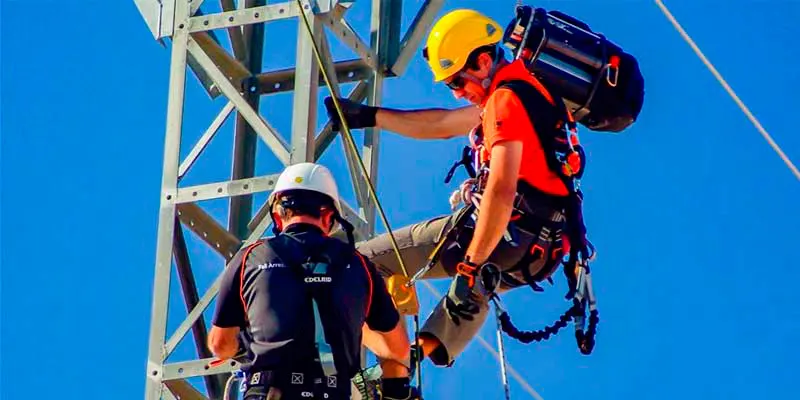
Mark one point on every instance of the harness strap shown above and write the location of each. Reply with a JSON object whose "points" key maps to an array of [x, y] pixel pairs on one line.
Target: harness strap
{"points": [[305, 270], [324, 350], [535, 252], [564, 156], [548, 118]]}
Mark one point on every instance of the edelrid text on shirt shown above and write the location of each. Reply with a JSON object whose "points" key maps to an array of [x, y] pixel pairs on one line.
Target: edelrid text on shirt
{"points": [[318, 279]]}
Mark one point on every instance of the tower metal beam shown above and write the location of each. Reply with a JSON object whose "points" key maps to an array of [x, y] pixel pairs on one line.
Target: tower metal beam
{"points": [[237, 74], [244, 142]]}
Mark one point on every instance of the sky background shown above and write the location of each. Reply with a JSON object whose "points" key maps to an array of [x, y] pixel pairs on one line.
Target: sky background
{"points": [[693, 214]]}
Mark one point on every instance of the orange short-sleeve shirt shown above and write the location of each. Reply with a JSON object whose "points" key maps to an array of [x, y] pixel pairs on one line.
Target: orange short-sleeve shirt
{"points": [[505, 118]]}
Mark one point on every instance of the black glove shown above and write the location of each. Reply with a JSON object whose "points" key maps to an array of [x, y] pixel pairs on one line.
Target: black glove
{"points": [[462, 301], [356, 115]]}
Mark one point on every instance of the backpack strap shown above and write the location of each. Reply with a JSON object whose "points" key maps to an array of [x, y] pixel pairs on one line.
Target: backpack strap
{"points": [[555, 128]]}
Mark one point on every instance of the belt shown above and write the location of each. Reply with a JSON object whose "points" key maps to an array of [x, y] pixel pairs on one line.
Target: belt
{"points": [[258, 383], [538, 204]]}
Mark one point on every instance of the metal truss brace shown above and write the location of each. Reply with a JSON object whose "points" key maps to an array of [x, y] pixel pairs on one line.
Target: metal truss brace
{"points": [[184, 369], [246, 16], [183, 390], [217, 190], [205, 139], [415, 34], [345, 33], [208, 229], [267, 133], [283, 80]]}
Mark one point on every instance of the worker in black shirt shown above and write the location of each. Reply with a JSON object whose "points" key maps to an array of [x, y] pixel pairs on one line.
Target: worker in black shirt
{"points": [[295, 308]]}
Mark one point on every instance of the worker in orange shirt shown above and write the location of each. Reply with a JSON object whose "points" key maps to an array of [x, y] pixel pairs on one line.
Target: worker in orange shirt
{"points": [[521, 194]]}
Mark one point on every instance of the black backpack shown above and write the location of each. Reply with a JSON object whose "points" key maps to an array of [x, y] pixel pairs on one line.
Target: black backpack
{"points": [[600, 83]]}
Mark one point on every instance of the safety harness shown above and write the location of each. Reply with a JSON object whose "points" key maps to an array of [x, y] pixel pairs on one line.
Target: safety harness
{"points": [[557, 133], [309, 269]]}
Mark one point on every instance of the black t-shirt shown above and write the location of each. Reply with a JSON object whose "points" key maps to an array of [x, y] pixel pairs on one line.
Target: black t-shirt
{"points": [[267, 295]]}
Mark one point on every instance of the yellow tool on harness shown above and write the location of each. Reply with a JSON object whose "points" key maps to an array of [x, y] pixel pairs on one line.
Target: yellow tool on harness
{"points": [[405, 297]]}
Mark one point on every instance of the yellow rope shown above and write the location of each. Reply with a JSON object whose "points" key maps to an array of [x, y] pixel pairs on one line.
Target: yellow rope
{"points": [[352, 144], [349, 140]]}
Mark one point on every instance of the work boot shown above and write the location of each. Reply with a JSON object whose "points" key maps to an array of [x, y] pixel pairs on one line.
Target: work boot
{"points": [[398, 389], [413, 394]]}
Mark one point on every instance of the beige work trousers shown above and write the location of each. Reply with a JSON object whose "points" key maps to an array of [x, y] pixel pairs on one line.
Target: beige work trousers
{"points": [[417, 241]]}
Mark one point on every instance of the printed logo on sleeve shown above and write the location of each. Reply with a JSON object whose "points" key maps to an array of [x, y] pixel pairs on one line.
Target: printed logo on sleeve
{"points": [[271, 266]]}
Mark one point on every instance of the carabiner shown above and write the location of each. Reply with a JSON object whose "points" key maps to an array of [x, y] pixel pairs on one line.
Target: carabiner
{"points": [[613, 64]]}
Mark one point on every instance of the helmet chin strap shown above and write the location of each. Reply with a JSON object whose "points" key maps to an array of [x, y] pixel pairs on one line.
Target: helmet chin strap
{"points": [[276, 228], [498, 55], [348, 228]]}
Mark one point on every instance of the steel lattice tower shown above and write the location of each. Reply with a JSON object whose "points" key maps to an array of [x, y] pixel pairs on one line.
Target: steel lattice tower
{"points": [[237, 74]]}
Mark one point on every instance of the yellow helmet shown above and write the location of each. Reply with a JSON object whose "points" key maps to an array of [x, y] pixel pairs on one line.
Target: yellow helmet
{"points": [[454, 37]]}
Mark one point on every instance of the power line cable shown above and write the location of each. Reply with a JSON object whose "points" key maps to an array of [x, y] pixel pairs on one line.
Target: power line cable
{"points": [[727, 87]]}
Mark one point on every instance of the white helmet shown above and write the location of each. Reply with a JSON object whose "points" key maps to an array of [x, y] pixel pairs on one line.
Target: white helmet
{"points": [[307, 176]]}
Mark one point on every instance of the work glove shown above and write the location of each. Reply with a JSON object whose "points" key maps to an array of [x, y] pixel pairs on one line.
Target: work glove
{"points": [[356, 115], [462, 300]]}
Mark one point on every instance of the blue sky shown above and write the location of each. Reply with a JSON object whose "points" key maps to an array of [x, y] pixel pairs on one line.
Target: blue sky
{"points": [[694, 216]]}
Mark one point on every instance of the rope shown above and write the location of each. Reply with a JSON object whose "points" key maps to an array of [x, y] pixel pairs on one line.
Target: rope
{"points": [[352, 145], [727, 87], [350, 141], [226, 395]]}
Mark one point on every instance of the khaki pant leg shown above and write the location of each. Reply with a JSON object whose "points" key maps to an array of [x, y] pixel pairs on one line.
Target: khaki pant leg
{"points": [[455, 338], [415, 242]]}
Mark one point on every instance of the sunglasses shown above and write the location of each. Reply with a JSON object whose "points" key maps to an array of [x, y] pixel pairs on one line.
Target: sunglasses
{"points": [[457, 83]]}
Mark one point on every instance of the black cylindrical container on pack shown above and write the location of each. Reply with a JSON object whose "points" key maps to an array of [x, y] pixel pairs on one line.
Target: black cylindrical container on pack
{"points": [[600, 83]]}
